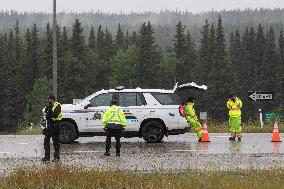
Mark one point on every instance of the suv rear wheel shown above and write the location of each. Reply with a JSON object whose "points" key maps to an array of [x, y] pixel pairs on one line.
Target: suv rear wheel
{"points": [[67, 132], [153, 131]]}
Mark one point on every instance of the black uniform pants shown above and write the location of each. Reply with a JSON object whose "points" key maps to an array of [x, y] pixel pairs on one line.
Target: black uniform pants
{"points": [[116, 133], [52, 132]]}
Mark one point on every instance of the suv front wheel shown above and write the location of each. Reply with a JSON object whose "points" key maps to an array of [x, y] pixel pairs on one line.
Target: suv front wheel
{"points": [[153, 131], [67, 132]]}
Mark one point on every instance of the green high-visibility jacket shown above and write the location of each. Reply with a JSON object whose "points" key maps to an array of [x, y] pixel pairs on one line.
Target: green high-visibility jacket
{"points": [[190, 111], [237, 104], [114, 115], [56, 112]]}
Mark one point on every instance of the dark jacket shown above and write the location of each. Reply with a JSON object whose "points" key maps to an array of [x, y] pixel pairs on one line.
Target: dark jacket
{"points": [[51, 114]]}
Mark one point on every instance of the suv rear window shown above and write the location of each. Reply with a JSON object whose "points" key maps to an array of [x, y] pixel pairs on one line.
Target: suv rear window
{"points": [[167, 98]]}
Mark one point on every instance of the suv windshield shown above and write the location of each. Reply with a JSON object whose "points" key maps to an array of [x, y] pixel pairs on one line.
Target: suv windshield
{"points": [[167, 98]]}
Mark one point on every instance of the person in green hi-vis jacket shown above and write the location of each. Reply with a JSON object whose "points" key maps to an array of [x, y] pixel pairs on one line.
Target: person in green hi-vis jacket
{"points": [[192, 118], [234, 105]]}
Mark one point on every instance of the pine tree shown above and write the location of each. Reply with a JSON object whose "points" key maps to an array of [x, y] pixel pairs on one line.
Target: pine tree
{"points": [[179, 41], [281, 69], [219, 75], [100, 43], [204, 58], [92, 40], [270, 59], [46, 66], [126, 40], [190, 59], [212, 48], [180, 53], [36, 101], [259, 73], [78, 51], [64, 41], [34, 47], [78, 41], [120, 39], [147, 57], [10, 113]]}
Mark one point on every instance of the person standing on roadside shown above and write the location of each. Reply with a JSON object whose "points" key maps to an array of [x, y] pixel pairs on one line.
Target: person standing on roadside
{"points": [[234, 105], [114, 123], [53, 118]]}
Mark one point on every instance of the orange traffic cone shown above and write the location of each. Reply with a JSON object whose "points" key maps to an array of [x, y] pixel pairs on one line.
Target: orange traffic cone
{"points": [[276, 135], [205, 135]]}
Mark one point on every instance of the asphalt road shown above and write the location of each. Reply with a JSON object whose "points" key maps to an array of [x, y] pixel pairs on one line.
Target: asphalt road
{"points": [[175, 153]]}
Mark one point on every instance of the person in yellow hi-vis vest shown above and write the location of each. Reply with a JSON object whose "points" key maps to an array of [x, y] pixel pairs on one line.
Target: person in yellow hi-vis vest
{"points": [[234, 105], [114, 123], [191, 117], [53, 118]]}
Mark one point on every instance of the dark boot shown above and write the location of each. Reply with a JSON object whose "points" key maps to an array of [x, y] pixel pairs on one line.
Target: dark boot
{"points": [[107, 153], [199, 140], [239, 138], [56, 158], [45, 159], [232, 138], [118, 152]]}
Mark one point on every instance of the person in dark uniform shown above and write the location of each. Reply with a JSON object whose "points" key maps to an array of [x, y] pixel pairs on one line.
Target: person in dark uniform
{"points": [[114, 123], [53, 118]]}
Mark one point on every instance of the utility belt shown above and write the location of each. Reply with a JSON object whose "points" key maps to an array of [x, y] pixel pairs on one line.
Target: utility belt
{"points": [[113, 126]]}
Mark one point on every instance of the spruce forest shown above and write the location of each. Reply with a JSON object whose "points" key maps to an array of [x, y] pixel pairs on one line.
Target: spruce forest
{"points": [[241, 56]]}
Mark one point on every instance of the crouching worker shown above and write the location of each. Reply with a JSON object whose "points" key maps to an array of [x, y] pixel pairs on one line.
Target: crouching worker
{"points": [[114, 123], [192, 118], [53, 118]]}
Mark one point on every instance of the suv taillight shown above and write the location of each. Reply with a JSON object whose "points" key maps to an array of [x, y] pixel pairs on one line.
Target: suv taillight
{"points": [[181, 111]]}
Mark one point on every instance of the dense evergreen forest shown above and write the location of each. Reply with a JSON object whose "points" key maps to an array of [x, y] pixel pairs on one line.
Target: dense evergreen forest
{"points": [[245, 53]]}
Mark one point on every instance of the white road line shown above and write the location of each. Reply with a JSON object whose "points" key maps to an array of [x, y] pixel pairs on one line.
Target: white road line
{"points": [[188, 150], [87, 151], [22, 143], [5, 152]]}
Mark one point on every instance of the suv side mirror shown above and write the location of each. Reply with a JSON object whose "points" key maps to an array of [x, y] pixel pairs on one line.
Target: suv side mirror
{"points": [[87, 106]]}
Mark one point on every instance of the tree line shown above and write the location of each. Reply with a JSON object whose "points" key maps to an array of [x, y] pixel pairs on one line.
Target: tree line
{"points": [[252, 59]]}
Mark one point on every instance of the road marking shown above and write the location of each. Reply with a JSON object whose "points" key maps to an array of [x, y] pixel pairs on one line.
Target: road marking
{"points": [[219, 136], [23, 143], [188, 150], [5, 152], [39, 138], [87, 151]]}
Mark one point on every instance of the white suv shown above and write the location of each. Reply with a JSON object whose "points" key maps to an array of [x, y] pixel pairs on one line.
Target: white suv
{"points": [[150, 113]]}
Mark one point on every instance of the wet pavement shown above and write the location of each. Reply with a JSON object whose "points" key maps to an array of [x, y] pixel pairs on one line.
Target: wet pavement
{"points": [[175, 153]]}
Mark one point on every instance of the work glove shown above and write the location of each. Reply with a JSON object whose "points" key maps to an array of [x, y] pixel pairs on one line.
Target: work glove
{"points": [[44, 131]]}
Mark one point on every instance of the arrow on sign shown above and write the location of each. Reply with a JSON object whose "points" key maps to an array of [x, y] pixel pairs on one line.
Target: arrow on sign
{"points": [[261, 96]]}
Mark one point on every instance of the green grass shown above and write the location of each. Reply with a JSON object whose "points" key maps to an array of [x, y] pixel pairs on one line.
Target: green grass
{"points": [[36, 130], [30, 131], [71, 178]]}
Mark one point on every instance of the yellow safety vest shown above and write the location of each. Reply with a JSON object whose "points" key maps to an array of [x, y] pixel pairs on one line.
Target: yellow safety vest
{"points": [[114, 115], [59, 117], [236, 104]]}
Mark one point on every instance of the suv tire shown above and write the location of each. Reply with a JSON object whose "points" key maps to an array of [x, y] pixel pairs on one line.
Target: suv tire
{"points": [[67, 132], [153, 131]]}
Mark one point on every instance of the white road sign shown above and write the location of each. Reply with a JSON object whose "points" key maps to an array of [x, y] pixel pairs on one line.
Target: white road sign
{"points": [[260, 96]]}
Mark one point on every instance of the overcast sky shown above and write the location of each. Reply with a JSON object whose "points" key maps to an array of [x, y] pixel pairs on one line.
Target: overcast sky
{"points": [[127, 6]]}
